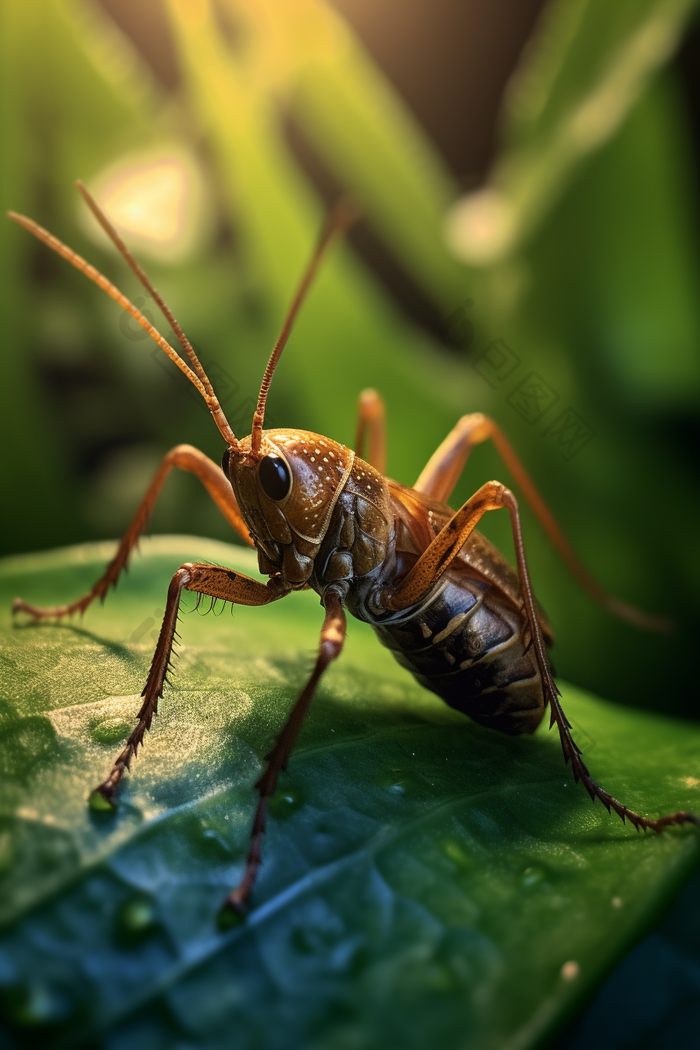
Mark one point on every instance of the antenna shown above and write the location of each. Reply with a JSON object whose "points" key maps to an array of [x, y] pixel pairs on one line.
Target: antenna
{"points": [[342, 217], [198, 377], [143, 278]]}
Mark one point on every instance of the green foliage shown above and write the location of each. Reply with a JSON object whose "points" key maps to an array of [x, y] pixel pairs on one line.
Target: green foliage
{"points": [[588, 67], [423, 878]]}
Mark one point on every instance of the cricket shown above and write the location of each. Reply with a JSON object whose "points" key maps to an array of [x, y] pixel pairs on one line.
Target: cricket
{"points": [[436, 592]]}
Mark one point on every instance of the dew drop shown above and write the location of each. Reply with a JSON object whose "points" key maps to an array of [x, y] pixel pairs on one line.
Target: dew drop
{"points": [[570, 970], [397, 785], [533, 876], [286, 802], [455, 852], [33, 1005], [135, 919], [110, 730], [213, 843]]}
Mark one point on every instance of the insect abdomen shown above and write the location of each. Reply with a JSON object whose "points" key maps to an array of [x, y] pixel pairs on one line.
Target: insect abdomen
{"points": [[466, 645]]}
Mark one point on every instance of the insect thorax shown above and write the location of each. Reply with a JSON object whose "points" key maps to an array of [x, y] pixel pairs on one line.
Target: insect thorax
{"points": [[334, 520]]}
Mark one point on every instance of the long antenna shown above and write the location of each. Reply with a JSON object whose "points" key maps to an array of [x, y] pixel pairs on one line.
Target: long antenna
{"points": [[343, 215], [198, 377], [143, 278]]}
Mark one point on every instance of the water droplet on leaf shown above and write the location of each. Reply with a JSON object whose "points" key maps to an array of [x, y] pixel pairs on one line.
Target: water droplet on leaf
{"points": [[456, 853], [110, 730], [286, 802], [135, 918], [533, 876], [398, 785], [33, 1005]]}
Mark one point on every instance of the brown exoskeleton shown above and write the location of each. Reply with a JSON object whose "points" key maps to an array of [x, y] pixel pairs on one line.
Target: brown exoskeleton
{"points": [[436, 592]]}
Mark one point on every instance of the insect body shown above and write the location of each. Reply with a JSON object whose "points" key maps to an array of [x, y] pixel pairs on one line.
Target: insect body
{"points": [[436, 592]]}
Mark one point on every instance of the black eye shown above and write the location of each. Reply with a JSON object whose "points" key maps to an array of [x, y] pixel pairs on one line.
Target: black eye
{"points": [[225, 460], [274, 477]]}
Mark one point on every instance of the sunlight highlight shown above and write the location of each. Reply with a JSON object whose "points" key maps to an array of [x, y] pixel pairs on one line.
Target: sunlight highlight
{"points": [[155, 201]]}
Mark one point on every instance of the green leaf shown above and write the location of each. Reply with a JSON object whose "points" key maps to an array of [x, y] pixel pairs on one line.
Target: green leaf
{"points": [[424, 881], [653, 997]]}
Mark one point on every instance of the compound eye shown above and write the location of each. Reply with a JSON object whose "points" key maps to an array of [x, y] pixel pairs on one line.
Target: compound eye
{"points": [[274, 477], [225, 459]]}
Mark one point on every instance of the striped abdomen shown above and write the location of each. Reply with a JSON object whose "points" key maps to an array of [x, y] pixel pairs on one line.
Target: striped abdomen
{"points": [[466, 645]]}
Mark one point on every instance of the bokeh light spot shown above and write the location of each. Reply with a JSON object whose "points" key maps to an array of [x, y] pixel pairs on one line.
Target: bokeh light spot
{"points": [[155, 201]]}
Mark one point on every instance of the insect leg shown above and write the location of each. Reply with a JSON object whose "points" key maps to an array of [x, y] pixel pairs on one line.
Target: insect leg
{"points": [[430, 567], [442, 471], [185, 457], [439, 554], [371, 422], [213, 580], [580, 771], [331, 644]]}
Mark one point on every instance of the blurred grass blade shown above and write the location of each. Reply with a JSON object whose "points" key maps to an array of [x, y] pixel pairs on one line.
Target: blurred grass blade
{"points": [[586, 67], [346, 320], [364, 134]]}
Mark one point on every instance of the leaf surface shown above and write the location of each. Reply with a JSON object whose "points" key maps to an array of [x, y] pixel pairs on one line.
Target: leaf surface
{"points": [[424, 879]]}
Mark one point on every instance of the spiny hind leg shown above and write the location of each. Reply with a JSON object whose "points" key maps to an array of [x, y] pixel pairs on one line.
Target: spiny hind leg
{"points": [[213, 580], [436, 559], [573, 754], [184, 457], [371, 426], [444, 468]]}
